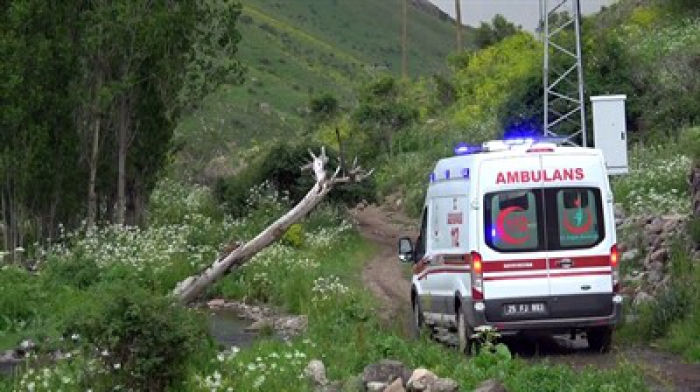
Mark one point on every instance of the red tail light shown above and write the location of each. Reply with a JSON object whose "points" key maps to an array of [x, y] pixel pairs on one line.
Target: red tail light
{"points": [[614, 256], [615, 264], [477, 266], [477, 277]]}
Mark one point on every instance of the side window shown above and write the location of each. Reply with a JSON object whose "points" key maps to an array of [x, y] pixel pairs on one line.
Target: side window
{"points": [[420, 242], [514, 221], [579, 217]]}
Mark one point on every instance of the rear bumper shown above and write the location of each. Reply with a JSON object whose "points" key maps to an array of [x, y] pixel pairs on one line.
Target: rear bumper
{"points": [[571, 312]]}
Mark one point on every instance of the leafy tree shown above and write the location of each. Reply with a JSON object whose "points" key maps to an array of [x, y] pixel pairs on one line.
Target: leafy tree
{"points": [[382, 111], [323, 107], [490, 34], [91, 93]]}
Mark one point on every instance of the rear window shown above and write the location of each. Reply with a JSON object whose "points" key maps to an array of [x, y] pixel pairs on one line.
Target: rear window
{"points": [[513, 220], [543, 219]]}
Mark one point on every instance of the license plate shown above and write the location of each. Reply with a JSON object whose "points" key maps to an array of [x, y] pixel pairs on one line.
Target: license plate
{"points": [[522, 309]]}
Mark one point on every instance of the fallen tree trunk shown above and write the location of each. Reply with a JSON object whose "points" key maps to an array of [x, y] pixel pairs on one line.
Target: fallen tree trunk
{"points": [[189, 289]]}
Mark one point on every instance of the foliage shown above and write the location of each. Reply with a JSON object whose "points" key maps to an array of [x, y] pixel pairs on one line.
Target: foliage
{"points": [[672, 317], [294, 236], [283, 274], [382, 111], [484, 85], [148, 338], [323, 107], [303, 50], [689, 142], [82, 72], [656, 182], [345, 333], [490, 34], [279, 166]]}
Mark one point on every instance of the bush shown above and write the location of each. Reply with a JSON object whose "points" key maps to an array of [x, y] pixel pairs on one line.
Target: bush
{"points": [[21, 299], [294, 236], [148, 339], [279, 165]]}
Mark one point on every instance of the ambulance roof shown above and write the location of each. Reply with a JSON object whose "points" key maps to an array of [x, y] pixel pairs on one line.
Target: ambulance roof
{"points": [[462, 164]]}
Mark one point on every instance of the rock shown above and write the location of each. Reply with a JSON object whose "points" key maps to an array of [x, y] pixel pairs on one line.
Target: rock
{"points": [[291, 324], [659, 256], [259, 325], [421, 380], [490, 386], [386, 371], [336, 386], [376, 386], [634, 277], [630, 255], [445, 385], [396, 386], [353, 384], [656, 226], [656, 274], [316, 372], [641, 298], [216, 303], [9, 357], [619, 211], [265, 107]]}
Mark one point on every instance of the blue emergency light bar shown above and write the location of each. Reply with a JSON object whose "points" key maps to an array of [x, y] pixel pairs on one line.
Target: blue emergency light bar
{"points": [[466, 149]]}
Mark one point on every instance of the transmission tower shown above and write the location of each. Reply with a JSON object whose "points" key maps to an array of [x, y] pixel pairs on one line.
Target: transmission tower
{"points": [[564, 88]]}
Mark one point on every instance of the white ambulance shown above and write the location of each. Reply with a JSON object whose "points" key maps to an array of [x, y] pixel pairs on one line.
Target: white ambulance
{"points": [[517, 235]]}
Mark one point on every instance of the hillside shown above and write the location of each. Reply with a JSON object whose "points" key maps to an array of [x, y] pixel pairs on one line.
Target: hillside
{"points": [[295, 49]]}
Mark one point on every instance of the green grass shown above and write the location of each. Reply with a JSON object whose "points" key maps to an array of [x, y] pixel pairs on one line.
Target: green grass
{"points": [[346, 334]]}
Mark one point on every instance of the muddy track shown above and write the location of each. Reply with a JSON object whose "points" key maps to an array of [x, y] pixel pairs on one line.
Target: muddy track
{"points": [[384, 275], [389, 282]]}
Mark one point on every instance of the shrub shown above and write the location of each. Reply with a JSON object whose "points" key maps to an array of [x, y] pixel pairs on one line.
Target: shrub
{"points": [[147, 338], [294, 236], [279, 165]]}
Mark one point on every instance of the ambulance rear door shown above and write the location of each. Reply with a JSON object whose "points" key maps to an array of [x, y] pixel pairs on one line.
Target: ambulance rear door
{"points": [[515, 269], [578, 239]]}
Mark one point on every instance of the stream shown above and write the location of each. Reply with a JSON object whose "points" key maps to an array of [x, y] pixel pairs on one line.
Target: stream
{"points": [[226, 327]]}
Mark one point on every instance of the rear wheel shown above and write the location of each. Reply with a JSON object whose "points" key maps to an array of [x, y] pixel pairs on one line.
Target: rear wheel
{"points": [[464, 333], [599, 339]]}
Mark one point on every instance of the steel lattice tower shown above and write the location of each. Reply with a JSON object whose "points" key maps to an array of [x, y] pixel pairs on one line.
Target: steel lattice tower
{"points": [[564, 89]]}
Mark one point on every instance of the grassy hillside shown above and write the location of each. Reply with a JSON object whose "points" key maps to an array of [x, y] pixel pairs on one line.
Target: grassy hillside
{"points": [[296, 49]]}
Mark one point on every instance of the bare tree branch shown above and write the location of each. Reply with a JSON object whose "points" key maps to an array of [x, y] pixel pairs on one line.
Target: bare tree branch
{"points": [[189, 289]]}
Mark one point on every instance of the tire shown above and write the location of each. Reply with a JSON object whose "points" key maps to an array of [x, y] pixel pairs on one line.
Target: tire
{"points": [[599, 339], [466, 344], [417, 321]]}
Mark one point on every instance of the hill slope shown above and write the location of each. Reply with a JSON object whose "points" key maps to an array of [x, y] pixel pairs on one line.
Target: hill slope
{"points": [[295, 49]]}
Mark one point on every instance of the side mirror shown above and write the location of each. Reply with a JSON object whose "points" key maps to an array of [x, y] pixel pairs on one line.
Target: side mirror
{"points": [[405, 250]]}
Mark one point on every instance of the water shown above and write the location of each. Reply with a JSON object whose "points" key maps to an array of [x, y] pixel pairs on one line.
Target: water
{"points": [[225, 326], [7, 369], [228, 329]]}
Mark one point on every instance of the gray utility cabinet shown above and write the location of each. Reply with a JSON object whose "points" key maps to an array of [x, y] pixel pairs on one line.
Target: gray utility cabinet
{"points": [[610, 131]]}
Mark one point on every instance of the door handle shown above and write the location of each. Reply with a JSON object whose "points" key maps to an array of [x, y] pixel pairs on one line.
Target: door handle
{"points": [[565, 263]]}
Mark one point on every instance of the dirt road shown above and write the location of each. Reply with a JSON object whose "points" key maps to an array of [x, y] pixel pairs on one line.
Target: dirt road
{"points": [[387, 279], [384, 275]]}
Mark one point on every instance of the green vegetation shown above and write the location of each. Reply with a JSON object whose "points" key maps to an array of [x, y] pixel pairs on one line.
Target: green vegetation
{"points": [[297, 50], [91, 96], [99, 294]]}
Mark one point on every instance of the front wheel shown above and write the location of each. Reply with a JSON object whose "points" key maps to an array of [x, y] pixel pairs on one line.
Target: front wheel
{"points": [[418, 322], [599, 339], [464, 333]]}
